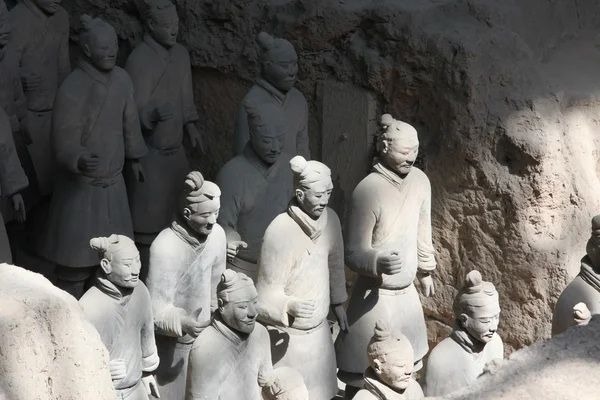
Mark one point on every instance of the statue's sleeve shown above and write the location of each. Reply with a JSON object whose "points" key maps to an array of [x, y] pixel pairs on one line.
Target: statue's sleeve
{"points": [[140, 73], [190, 114], [337, 276], [302, 141], [135, 146], [274, 267], [425, 249], [68, 120], [64, 61], [360, 255], [12, 176], [205, 377], [229, 184], [217, 269], [150, 358], [163, 275], [20, 99], [241, 133]]}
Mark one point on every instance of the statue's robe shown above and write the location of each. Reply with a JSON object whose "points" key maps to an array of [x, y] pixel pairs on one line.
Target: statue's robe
{"points": [[295, 109], [303, 259], [252, 195], [241, 357], [12, 179], [387, 213], [42, 47], [94, 112], [123, 318], [457, 361], [183, 275], [160, 76]]}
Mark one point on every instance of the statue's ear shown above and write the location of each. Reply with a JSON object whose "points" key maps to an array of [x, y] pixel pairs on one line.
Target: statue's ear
{"points": [[377, 365], [105, 265], [87, 51], [463, 318], [187, 213], [299, 195], [220, 304]]}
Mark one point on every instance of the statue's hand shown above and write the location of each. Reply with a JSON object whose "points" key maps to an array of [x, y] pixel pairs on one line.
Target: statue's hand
{"points": [[163, 112], [138, 171], [301, 308], [233, 247], [427, 286], [19, 207], [195, 137], [151, 386], [15, 125], [88, 162], [340, 315], [31, 81], [191, 325], [389, 262], [117, 368]]}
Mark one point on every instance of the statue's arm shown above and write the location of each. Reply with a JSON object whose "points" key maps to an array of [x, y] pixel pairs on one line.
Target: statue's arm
{"points": [[337, 276], [218, 268], [230, 202], [150, 358], [135, 146], [425, 249], [64, 61], [302, 140], [241, 133], [190, 114], [12, 176]]}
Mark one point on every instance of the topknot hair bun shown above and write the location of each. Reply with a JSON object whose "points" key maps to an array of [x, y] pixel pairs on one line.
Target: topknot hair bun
{"points": [[386, 121], [298, 164], [264, 40], [382, 331], [101, 244], [473, 282], [86, 21]]}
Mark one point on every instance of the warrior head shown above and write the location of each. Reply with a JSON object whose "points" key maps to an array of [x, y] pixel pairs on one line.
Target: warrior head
{"points": [[278, 60], [266, 124], [200, 203], [283, 383], [49, 7], [391, 356], [398, 145], [98, 41], [477, 307], [162, 21], [4, 26], [119, 259], [238, 301], [312, 185], [593, 245]]}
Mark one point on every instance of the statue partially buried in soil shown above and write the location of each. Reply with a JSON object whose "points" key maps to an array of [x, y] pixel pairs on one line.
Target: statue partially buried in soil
{"points": [[585, 287], [275, 85], [300, 276], [95, 128], [388, 244], [160, 70], [119, 307], [228, 356], [391, 364], [186, 263], [457, 361]]}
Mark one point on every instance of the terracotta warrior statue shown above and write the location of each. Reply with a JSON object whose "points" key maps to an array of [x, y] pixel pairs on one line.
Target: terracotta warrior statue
{"points": [[119, 307], [283, 384], [275, 85], [12, 181], [585, 287], [391, 364], [457, 361], [160, 70], [256, 185], [95, 128], [186, 263], [300, 276], [388, 244], [41, 38], [228, 356]]}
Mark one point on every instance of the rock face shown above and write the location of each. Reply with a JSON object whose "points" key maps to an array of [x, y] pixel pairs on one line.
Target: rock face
{"points": [[567, 367], [48, 351], [507, 118]]}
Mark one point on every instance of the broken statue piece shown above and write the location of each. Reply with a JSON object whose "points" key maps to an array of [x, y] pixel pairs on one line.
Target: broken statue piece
{"points": [[95, 128], [119, 307], [391, 364], [457, 361], [230, 354], [256, 185], [299, 278], [12, 181], [160, 70], [388, 243], [40, 36], [585, 287], [186, 263], [275, 85], [283, 383]]}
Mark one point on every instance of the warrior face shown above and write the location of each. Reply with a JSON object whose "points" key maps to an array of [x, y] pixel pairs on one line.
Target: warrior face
{"points": [[201, 217], [315, 197], [4, 25], [268, 143], [48, 6], [239, 312], [164, 27], [482, 324], [123, 267], [399, 153], [395, 368], [102, 49], [282, 72]]}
